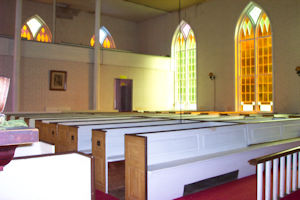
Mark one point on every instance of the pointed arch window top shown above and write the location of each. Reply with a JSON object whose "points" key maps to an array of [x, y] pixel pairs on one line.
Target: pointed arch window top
{"points": [[34, 26], [36, 29], [103, 33], [254, 14], [247, 27], [105, 39], [264, 22], [185, 29]]}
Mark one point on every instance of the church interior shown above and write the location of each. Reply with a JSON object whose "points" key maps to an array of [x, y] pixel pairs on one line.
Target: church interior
{"points": [[140, 94]]}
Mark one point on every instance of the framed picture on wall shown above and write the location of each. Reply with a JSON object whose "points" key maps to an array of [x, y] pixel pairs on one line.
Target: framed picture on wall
{"points": [[58, 80]]}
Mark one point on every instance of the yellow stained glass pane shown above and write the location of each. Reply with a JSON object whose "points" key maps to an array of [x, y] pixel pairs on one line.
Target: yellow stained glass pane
{"points": [[246, 31], [25, 33], [264, 28], [92, 41], [255, 63], [44, 35], [106, 43]]}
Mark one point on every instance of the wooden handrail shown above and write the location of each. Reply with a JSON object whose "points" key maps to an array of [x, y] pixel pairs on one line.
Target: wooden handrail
{"points": [[273, 156]]}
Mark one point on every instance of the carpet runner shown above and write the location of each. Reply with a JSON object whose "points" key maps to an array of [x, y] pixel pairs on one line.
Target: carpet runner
{"points": [[241, 189]]}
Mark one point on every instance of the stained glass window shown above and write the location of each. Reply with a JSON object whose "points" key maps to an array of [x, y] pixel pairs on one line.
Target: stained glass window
{"points": [[105, 39], [36, 29], [254, 62], [184, 63]]}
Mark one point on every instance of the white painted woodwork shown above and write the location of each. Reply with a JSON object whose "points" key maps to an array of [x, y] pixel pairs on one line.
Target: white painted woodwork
{"points": [[268, 180], [288, 174], [47, 177], [294, 177], [282, 176], [275, 178], [36, 148], [166, 180], [260, 170]]}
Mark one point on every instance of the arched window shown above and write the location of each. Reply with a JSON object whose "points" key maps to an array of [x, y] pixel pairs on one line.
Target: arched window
{"points": [[105, 39], [36, 29], [254, 70], [184, 65]]}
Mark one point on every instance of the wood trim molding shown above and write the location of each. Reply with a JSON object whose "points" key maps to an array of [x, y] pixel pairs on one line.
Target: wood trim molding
{"points": [[273, 156]]}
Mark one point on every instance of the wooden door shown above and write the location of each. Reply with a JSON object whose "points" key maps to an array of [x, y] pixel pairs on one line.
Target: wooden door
{"points": [[123, 95]]}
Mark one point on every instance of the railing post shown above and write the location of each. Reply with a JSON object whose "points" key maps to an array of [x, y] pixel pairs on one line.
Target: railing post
{"points": [[294, 185], [260, 169], [288, 173], [282, 175], [275, 178], [285, 170], [268, 180], [298, 169]]}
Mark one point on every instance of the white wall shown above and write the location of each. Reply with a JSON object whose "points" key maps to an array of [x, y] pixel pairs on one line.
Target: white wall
{"points": [[151, 75], [214, 24], [78, 28]]}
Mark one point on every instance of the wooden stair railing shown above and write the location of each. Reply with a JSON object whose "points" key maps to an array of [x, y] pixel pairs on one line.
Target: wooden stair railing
{"points": [[288, 173]]}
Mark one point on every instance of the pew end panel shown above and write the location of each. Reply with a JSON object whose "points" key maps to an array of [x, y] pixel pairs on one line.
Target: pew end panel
{"points": [[38, 125], [135, 167], [72, 139], [67, 138], [48, 132], [52, 133], [98, 151]]}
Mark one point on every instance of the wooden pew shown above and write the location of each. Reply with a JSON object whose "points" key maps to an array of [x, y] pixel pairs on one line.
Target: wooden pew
{"points": [[271, 129], [48, 127], [158, 165], [34, 149], [108, 148], [72, 118], [78, 136]]}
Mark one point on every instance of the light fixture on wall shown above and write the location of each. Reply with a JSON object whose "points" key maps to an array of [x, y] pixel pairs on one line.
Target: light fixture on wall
{"points": [[298, 70], [212, 76]]}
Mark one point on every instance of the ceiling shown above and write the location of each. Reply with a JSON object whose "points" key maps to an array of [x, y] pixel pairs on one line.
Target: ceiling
{"points": [[134, 10], [166, 5]]}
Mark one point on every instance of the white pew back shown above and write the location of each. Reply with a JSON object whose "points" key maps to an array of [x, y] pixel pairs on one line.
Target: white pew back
{"points": [[270, 129], [85, 131], [36, 148], [164, 147], [56, 177], [115, 136]]}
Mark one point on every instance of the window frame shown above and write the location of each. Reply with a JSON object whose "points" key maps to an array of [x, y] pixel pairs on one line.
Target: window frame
{"points": [[178, 103], [238, 97]]}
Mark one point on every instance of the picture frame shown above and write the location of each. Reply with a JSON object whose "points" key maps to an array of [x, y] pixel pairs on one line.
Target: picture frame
{"points": [[58, 80]]}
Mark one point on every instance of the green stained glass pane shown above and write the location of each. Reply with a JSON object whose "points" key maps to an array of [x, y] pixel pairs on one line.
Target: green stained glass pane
{"points": [[185, 53]]}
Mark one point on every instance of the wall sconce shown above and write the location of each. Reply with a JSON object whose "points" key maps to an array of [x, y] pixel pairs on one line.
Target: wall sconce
{"points": [[212, 76], [298, 70]]}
